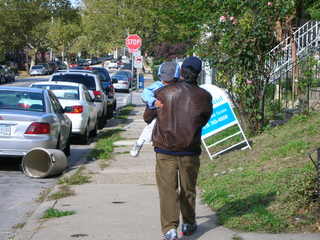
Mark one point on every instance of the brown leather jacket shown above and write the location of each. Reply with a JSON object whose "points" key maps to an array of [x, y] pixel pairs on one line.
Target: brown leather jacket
{"points": [[186, 109]]}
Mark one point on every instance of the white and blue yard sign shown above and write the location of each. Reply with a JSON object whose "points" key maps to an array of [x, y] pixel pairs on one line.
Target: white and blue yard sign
{"points": [[222, 118]]}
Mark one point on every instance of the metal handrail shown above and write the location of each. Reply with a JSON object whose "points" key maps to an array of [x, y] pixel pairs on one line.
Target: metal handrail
{"points": [[306, 36]]}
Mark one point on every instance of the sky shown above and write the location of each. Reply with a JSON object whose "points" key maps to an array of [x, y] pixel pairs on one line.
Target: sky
{"points": [[75, 2]]}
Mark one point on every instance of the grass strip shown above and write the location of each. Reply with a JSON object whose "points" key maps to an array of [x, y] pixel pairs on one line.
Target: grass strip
{"points": [[78, 178], [56, 213], [64, 191]]}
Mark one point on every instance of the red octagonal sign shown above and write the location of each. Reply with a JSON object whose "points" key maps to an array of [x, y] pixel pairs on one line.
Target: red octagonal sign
{"points": [[133, 42]]}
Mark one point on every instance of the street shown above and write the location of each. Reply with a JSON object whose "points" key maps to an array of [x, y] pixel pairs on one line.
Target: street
{"points": [[18, 192]]}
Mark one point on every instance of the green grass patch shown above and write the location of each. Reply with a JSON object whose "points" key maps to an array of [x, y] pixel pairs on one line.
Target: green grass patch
{"points": [[125, 112], [104, 146], [270, 188], [56, 213], [77, 178], [225, 143], [64, 191], [43, 195], [19, 226]]}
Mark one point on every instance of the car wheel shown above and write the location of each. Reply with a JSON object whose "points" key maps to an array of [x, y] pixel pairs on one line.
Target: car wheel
{"points": [[94, 132], [101, 122], [85, 137], [58, 143], [115, 105], [67, 148], [110, 112]]}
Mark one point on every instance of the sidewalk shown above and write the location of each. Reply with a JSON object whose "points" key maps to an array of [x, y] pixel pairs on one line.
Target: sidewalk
{"points": [[121, 203]]}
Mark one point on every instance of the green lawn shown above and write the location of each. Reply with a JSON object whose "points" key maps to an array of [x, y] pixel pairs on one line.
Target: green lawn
{"points": [[270, 188]]}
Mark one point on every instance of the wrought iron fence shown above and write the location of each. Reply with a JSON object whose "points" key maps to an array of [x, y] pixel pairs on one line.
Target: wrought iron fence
{"points": [[296, 87]]}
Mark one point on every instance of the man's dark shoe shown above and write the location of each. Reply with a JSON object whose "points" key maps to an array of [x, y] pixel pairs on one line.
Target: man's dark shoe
{"points": [[188, 229]]}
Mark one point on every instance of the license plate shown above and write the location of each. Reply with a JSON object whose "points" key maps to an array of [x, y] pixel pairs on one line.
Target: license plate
{"points": [[5, 130]]}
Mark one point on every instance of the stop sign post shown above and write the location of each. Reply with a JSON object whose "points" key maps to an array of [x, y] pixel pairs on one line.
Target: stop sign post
{"points": [[138, 61], [133, 42]]}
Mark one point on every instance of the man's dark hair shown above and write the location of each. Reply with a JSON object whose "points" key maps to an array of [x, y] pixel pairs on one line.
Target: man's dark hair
{"points": [[189, 75]]}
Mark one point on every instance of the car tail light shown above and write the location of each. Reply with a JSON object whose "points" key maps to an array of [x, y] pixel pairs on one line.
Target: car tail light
{"points": [[88, 68], [97, 94], [38, 128], [74, 109]]}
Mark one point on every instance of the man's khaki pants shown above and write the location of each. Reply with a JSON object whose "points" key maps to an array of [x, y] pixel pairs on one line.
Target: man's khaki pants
{"points": [[168, 169]]}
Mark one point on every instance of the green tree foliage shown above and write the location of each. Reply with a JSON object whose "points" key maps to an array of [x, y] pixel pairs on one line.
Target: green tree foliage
{"points": [[314, 10], [62, 36], [25, 23], [235, 37]]}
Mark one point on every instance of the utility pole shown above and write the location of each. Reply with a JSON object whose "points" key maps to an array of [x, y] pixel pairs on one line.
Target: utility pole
{"points": [[51, 50]]}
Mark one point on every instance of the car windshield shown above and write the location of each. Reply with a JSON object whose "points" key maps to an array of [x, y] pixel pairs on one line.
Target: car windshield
{"points": [[37, 67], [61, 91], [120, 77], [122, 73], [20, 100], [88, 81], [106, 76]]}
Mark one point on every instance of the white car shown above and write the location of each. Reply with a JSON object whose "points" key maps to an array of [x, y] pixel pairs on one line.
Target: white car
{"points": [[78, 106], [122, 80], [38, 70], [94, 86], [112, 66]]}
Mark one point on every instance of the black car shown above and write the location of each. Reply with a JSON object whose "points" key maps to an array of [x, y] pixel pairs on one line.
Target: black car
{"points": [[53, 67], [61, 66], [108, 88], [106, 83], [9, 73], [2, 75]]}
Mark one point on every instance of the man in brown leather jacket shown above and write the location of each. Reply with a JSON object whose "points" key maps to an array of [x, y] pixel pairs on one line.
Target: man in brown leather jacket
{"points": [[186, 108]]}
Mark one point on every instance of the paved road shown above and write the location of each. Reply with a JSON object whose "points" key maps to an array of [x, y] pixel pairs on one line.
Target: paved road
{"points": [[18, 192]]}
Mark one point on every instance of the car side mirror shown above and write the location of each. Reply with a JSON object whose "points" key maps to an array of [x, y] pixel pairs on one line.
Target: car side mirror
{"points": [[114, 80]]}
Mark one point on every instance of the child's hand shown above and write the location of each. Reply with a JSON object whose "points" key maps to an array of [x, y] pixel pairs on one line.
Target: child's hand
{"points": [[158, 104]]}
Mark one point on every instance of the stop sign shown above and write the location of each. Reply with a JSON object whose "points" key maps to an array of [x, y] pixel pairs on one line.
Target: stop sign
{"points": [[133, 42]]}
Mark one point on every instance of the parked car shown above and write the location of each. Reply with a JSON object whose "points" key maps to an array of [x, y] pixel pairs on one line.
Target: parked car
{"points": [[9, 73], [2, 75], [53, 67], [125, 75], [113, 66], [93, 84], [128, 66], [107, 87], [106, 82], [38, 70], [83, 62], [47, 66], [61, 66], [78, 105], [94, 61], [31, 118], [121, 83]]}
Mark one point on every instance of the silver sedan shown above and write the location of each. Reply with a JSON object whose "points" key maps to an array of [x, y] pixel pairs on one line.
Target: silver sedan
{"points": [[31, 117]]}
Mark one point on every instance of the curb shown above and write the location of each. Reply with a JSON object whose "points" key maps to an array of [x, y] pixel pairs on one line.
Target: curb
{"points": [[34, 222]]}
